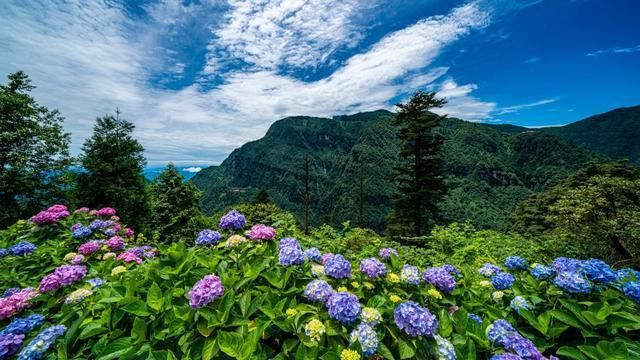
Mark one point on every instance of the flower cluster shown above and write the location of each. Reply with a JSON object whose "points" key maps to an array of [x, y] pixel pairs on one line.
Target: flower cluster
{"points": [[563, 264], [474, 317], [367, 337], [106, 212], [410, 274], [235, 240], [233, 220], [208, 237], [344, 307], [326, 257], [90, 247], [95, 282], [440, 278], [446, 351], [41, 343], [503, 334], [632, 290], [541, 272], [314, 329], [370, 316], [338, 267], [318, 290], [488, 270], [572, 282], [62, 276], [129, 257], [22, 248], [385, 253], [290, 252], [80, 231], [15, 301], [598, 271], [348, 354], [77, 296], [118, 270], [415, 320], [3, 252], [205, 291], [373, 268], [23, 326], [9, 344], [115, 243], [518, 303], [516, 263], [313, 254], [502, 281], [262, 232], [51, 215]]}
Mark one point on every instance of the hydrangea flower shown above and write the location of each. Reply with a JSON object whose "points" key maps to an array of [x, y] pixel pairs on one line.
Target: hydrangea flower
{"points": [[22, 248], [10, 291], [129, 257], [106, 211], [16, 302], [344, 307], [10, 344], [313, 254], [446, 351], [563, 264], [598, 271], [291, 255], [3, 252], [109, 255], [90, 247], [440, 278], [497, 331], [23, 326], [503, 334], [410, 274], [338, 267], [385, 253], [51, 215], [41, 343], [497, 296], [621, 275], [415, 320], [205, 291], [474, 317], [502, 281], [115, 243], [506, 356], [81, 231], [518, 303], [318, 290], [572, 282], [434, 293], [370, 316], [81, 210], [95, 282], [314, 329], [326, 257], [515, 263], [632, 290], [77, 296], [488, 270], [262, 232], [64, 275], [348, 354], [288, 242], [451, 269], [109, 231], [128, 232], [77, 260], [208, 237], [233, 220], [367, 337], [235, 240], [118, 270], [317, 270], [373, 268], [393, 278], [98, 224], [542, 272]]}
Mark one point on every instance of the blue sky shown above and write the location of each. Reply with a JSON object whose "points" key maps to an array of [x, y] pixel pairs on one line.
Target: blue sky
{"points": [[200, 78]]}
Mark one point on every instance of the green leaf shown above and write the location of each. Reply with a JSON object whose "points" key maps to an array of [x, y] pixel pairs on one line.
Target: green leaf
{"points": [[92, 329], [406, 350], [209, 349], [116, 349], [571, 353], [139, 330], [137, 308], [154, 298], [613, 350], [385, 352], [233, 344]]}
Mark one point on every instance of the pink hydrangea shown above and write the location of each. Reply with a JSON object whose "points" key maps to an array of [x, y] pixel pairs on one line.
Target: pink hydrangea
{"points": [[128, 232], [57, 208], [106, 211], [81, 210], [51, 215], [117, 227], [262, 232], [15, 303], [115, 243], [89, 247], [129, 257], [77, 260]]}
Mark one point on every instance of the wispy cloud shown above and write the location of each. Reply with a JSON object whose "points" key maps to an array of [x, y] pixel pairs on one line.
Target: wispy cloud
{"points": [[192, 169], [615, 50], [532, 60], [516, 108]]}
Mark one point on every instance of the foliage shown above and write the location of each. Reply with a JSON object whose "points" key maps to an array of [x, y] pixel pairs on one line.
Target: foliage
{"points": [[112, 161], [419, 172], [34, 151]]}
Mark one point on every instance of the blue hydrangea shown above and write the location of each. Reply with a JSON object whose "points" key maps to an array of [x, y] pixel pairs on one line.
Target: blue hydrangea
{"points": [[572, 282], [95, 282], [82, 232], [518, 303], [22, 248], [3, 252], [440, 278], [563, 264], [344, 307], [318, 290], [10, 292], [109, 232], [338, 267], [41, 343], [498, 330], [313, 254], [415, 320], [627, 274], [98, 224], [516, 263], [367, 337], [451, 269], [233, 220], [488, 270], [475, 318], [373, 268], [522, 346], [410, 274], [542, 272], [288, 242], [445, 349], [632, 290], [290, 255], [502, 281], [208, 237], [23, 326], [598, 271]]}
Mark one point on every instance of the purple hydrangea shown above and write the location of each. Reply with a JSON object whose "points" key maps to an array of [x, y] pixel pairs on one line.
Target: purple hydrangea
{"points": [[516, 263], [318, 290], [106, 211], [366, 337], [497, 331], [506, 356], [373, 268], [488, 270], [451, 269], [205, 291], [338, 267], [233, 220], [288, 242], [572, 282], [41, 343], [3, 252], [385, 253], [262, 232], [90, 247], [542, 272], [109, 232], [22, 248], [632, 290], [598, 271], [475, 318], [10, 344], [313, 254], [291, 255], [410, 274], [62, 276], [51, 215], [415, 320], [98, 224], [81, 232], [502, 281], [440, 278], [563, 264], [23, 326], [326, 257], [344, 307], [115, 243], [16, 302], [208, 237], [522, 346]]}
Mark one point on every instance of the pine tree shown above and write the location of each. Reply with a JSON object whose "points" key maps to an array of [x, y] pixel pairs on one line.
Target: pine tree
{"points": [[34, 152], [112, 162], [419, 175], [175, 206]]}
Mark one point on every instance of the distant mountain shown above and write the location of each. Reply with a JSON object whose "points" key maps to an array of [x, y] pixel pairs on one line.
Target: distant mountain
{"points": [[615, 134], [488, 169], [187, 172]]}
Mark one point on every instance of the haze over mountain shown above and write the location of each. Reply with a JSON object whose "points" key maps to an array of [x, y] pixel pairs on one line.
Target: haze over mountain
{"points": [[489, 168]]}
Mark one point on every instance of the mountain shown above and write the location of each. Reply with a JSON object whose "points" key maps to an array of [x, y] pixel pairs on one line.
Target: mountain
{"points": [[488, 170], [187, 172], [615, 134]]}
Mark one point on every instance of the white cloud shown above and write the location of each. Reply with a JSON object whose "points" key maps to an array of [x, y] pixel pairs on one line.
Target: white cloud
{"points": [[193, 169], [532, 60], [516, 108], [615, 50]]}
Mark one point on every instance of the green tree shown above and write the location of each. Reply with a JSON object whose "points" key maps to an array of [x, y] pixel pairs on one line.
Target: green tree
{"points": [[113, 161], [34, 152], [262, 196], [419, 175], [175, 206]]}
